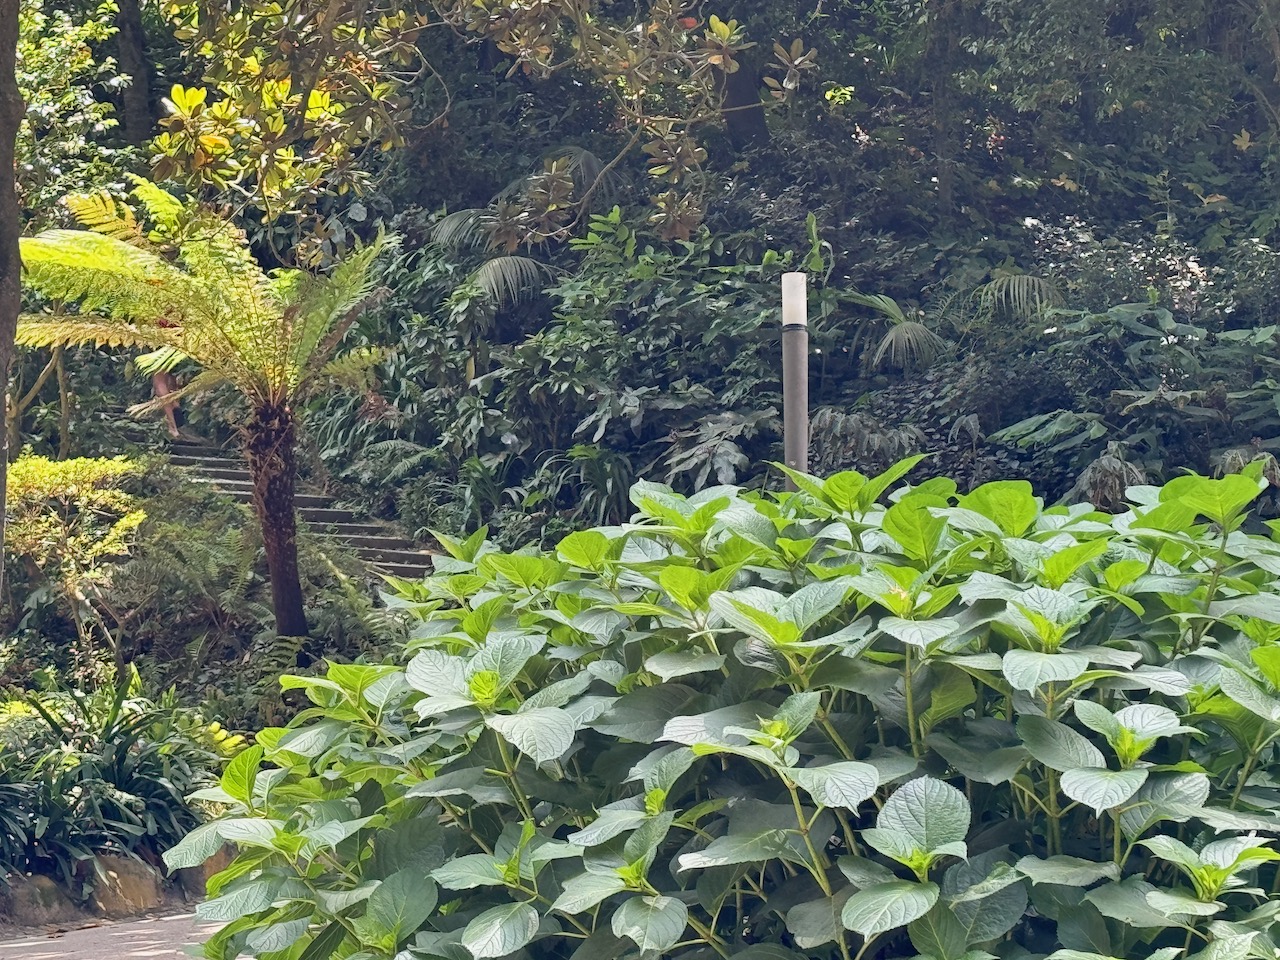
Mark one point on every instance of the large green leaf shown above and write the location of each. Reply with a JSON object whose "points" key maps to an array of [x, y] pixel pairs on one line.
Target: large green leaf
{"points": [[930, 813], [395, 909], [739, 848], [501, 931], [939, 934], [656, 924], [584, 891], [241, 774], [844, 785], [470, 871], [817, 922], [1101, 788], [888, 906], [1011, 504], [1030, 670], [1067, 871], [1056, 745], [543, 733]]}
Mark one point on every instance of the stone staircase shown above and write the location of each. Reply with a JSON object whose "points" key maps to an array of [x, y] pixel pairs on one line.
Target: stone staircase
{"points": [[381, 548]]}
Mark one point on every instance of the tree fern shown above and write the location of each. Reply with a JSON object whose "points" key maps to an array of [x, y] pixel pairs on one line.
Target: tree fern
{"points": [[271, 337]]}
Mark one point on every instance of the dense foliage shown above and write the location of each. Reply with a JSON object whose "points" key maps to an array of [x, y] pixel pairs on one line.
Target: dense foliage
{"points": [[102, 773], [793, 725]]}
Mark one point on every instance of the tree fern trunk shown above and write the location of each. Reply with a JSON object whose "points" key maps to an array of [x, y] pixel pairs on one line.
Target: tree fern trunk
{"points": [[11, 111], [131, 43], [269, 446]]}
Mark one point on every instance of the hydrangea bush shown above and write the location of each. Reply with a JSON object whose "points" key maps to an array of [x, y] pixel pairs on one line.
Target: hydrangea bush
{"points": [[859, 720]]}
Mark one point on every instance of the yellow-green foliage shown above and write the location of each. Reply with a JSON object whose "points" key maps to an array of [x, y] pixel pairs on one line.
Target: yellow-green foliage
{"points": [[67, 516]]}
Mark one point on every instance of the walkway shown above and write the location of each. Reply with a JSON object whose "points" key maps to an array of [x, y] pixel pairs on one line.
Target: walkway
{"points": [[155, 938]]}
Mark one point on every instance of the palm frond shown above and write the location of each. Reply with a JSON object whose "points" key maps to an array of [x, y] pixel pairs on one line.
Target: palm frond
{"points": [[908, 344], [885, 306], [591, 175], [460, 230], [509, 280], [1018, 296]]}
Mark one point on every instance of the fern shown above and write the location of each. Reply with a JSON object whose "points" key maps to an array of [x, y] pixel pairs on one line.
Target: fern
{"points": [[269, 336], [100, 213]]}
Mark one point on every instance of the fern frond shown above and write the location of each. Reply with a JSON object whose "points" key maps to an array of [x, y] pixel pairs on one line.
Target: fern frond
{"points": [[323, 308], [159, 361], [73, 331], [164, 209], [509, 280], [202, 382], [354, 370], [104, 275], [99, 212]]}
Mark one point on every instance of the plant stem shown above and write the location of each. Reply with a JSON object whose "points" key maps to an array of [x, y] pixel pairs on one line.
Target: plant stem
{"points": [[863, 949], [818, 868], [1054, 814], [1246, 770], [911, 707], [709, 935], [510, 767]]}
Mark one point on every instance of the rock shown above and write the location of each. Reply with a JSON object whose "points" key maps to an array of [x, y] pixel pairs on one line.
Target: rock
{"points": [[125, 887], [35, 902], [193, 880]]}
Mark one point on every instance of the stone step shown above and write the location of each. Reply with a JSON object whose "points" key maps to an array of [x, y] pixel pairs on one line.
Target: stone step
{"points": [[349, 531], [201, 463], [403, 570], [228, 473], [183, 449], [405, 555], [320, 516], [243, 491], [381, 540]]}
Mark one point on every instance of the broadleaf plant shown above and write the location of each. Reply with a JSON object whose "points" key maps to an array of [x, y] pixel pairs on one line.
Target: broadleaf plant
{"points": [[858, 720]]}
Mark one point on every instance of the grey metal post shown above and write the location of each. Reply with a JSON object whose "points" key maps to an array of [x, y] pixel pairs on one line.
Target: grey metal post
{"points": [[795, 373]]}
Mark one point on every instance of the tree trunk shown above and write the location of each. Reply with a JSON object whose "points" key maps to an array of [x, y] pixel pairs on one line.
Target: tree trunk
{"points": [[11, 113], [269, 446], [742, 109], [132, 43]]}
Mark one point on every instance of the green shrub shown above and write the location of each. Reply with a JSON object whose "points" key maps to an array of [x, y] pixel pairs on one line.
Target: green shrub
{"points": [[83, 774], [792, 726]]}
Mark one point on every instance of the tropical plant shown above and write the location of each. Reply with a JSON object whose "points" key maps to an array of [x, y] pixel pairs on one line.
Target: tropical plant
{"points": [[106, 771], [274, 339], [858, 719]]}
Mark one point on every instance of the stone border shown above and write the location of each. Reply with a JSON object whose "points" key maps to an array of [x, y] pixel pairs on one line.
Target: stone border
{"points": [[124, 888]]}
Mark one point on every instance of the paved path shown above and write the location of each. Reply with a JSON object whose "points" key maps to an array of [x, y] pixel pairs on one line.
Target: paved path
{"points": [[156, 938]]}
